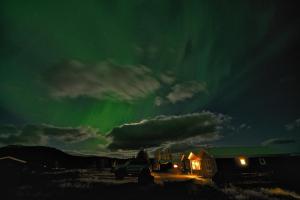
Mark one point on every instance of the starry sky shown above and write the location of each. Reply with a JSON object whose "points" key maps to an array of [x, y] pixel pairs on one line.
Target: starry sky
{"points": [[110, 75]]}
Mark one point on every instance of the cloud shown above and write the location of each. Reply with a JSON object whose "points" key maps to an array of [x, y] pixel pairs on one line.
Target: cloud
{"points": [[193, 142], [101, 81], [278, 141], [8, 130], [165, 129], [180, 91], [293, 125], [159, 101], [45, 134], [69, 134], [29, 134], [167, 78], [109, 80], [244, 126], [186, 90]]}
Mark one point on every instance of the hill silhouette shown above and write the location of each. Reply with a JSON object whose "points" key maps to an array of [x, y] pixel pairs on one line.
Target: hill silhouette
{"points": [[50, 157]]}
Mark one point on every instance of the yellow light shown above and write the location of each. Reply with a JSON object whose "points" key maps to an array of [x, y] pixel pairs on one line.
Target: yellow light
{"points": [[191, 155], [175, 166], [195, 164], [243, 161]]}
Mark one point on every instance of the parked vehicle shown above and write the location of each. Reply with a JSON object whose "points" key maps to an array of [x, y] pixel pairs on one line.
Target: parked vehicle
{"points": [[131, 168]]}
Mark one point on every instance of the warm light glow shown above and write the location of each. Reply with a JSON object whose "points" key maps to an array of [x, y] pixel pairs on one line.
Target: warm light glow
{"points": [[191, 155], [195, 164], [175, 166], [243, 161]]}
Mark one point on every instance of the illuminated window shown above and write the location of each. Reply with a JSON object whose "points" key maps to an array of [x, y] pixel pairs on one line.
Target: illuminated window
{"points": [[243, 161], [195, 164]]}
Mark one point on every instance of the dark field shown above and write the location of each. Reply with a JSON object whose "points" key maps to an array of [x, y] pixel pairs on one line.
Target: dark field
{"points": [[93, 184]]}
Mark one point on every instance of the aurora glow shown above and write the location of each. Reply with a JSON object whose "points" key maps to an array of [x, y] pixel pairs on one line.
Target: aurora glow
{"points": [[238, 58]]}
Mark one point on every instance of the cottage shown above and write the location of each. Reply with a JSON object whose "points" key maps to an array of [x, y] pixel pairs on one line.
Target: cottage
{"points": [[199, 163], [11, 171], [11, 160], [12, 164]]}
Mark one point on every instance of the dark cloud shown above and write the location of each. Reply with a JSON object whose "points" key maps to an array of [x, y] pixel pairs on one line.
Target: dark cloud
{"points": [[103, 80], [278, 141], [8, 130], [165, 129], [26, 135], [69, 134], [45, 134]]}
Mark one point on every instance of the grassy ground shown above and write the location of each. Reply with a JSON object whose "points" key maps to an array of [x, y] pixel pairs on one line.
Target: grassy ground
{"points": [[87, 184]]}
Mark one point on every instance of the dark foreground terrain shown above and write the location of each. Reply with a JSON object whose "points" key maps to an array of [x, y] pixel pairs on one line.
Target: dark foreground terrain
{"points": [[40, 173], [94, 184]]}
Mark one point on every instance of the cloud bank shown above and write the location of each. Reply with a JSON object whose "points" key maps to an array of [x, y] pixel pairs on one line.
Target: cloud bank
{"points": [[104, 80], [108, 80], [45, 134], [167, 129]]}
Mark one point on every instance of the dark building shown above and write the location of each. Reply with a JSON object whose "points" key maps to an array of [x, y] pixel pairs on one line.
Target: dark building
{"points": [[9, 163]]}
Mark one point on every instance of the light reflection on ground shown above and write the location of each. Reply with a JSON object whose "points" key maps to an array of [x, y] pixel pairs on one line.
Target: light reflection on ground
{"points": [[164, 177], [94, 176]]}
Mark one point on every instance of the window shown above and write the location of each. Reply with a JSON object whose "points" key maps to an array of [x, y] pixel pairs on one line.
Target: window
{"points": [[195, 164]]}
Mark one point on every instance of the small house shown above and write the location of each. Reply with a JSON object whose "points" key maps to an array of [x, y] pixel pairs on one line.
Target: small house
{"points": [[12, 164], [11, 171], [197, 162], [200, 163]]}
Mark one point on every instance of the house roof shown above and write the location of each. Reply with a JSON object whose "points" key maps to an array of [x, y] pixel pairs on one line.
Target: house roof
{"points": [[192, 156], [12, 158]]}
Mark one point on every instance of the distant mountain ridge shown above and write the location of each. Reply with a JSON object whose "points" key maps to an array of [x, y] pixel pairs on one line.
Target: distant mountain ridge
{"points": [[53, 158]]}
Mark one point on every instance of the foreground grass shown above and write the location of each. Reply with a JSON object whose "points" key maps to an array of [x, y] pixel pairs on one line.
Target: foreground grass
{"points": [[88, 185]]}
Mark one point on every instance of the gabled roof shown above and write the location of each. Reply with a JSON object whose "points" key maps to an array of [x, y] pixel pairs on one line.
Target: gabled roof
{"points": [[12, 158], [192, 156]]}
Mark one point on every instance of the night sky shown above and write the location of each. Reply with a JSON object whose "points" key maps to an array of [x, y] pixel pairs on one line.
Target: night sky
{"points": [[101, 76]]}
